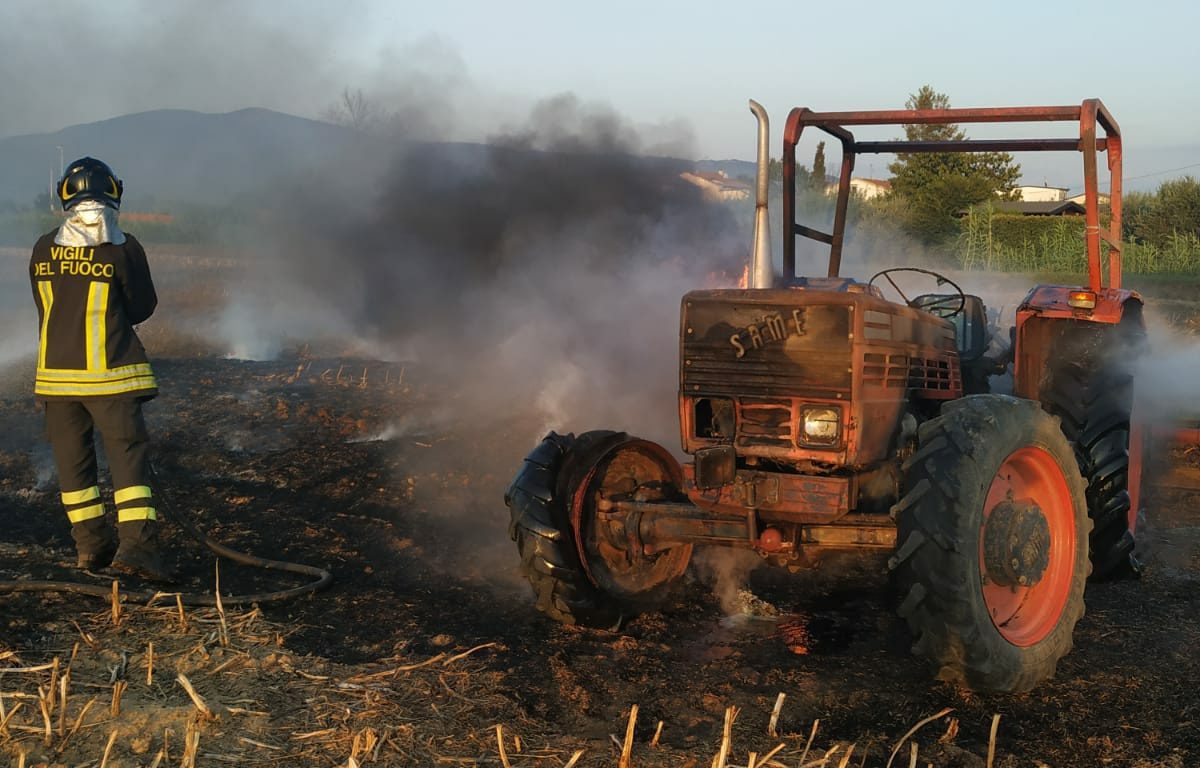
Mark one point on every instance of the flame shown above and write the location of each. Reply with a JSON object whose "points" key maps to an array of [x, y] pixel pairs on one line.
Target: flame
{"points": [[725, 279]]}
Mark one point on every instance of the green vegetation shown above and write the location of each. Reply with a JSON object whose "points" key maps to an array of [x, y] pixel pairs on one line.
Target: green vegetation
{"points": [[936, 187], [23, 228], [1171, 211], [1008, 243], [817, 179]]}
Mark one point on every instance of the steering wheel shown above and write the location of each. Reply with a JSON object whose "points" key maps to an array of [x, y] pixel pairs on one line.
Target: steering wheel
{"points": [[945, 307]]}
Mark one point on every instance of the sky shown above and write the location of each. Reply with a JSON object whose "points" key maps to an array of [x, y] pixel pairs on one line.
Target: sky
{"points": [[679, 72]]}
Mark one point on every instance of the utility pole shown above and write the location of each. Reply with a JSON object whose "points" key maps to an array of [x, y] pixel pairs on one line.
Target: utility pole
{"points": [[60, 160], [50, 199]]}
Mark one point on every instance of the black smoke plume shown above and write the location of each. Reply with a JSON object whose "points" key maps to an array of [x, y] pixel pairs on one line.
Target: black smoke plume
{"points": [[552, 258]]}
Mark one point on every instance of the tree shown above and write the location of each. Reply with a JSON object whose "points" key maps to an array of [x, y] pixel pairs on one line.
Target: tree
{"points": [[774, 170], [818, 172], [1173, 210], [355, 111], [775, 173], [935, 187]]}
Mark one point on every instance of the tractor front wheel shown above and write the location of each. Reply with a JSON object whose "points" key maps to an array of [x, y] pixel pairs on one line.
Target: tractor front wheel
{"points": [[993, 543], [582, 558]]}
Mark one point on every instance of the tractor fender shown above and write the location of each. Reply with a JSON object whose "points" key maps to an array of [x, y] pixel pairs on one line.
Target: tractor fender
{"points": [[1044, 318]]}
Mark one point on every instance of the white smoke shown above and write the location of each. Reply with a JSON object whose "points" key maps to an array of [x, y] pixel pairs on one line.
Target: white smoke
{"points": [[1167, 373], [18, 313]]}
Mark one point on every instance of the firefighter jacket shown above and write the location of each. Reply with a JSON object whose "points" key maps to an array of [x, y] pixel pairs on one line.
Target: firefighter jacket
{"points": [[88, 299]]}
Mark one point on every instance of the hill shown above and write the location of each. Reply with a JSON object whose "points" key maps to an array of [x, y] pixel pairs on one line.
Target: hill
{"points": [[176, 156]]}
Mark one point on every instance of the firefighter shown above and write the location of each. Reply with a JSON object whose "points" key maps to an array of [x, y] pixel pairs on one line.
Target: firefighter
{"points": [[92, 285]]}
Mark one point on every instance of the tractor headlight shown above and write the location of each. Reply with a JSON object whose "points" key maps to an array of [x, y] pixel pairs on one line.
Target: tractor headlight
{"points": [[820, 425]]}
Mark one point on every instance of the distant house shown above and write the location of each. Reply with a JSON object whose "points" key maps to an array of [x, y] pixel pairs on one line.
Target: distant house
{"points": [[716, 185], [870, 188], [1023, 208], [1040, 207], [861, 187], [1042, 194], [1102, 197]]}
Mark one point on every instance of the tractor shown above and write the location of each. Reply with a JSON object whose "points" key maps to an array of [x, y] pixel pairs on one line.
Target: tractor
{"points": [[820, 417]]}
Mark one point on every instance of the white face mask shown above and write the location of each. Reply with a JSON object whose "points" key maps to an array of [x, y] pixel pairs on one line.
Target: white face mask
{"points": [[90, 216]]}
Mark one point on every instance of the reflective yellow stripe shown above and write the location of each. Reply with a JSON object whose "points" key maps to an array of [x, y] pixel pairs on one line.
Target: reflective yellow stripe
{"points": [[84, 389], [132, 492], [70, 498], [47, 293], [61, 375], [136, 513], [68, 383], [86, 513], [98, 382], [96, 327]]}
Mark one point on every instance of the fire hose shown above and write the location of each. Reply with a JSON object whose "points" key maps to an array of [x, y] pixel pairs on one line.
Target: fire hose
{"points": [[321, 578]]}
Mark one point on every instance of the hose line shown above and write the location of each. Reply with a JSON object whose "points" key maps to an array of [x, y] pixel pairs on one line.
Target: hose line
{"points": [[321, 578]]}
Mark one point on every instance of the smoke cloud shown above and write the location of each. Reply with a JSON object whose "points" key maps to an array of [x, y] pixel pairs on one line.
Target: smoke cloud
{"points": [[18, 317], [1165, 373], [535, 281], [543, 269]]}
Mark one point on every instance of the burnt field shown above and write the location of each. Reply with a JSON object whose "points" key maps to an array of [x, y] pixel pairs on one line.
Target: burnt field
{"points": [[427, 650]]}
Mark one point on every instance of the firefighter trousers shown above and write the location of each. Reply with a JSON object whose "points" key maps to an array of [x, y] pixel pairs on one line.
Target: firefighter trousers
{"points": [[70, 427]]}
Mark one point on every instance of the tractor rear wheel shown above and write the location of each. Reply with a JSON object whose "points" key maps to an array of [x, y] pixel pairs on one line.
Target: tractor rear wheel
{"points": [[992, 533], [584, 564]]}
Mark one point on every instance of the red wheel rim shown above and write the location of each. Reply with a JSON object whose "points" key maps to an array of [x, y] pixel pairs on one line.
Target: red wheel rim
{"points": [[1025, 615], [648, 571]]}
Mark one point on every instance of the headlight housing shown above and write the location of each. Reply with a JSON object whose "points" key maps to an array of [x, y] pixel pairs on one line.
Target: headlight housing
{"points": [[714, 418], [820, 425]]}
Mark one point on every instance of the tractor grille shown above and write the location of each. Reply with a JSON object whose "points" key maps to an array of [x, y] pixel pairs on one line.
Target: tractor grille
{"points": [[881, 370], [932, 374], [765, 422], [901, 371]]}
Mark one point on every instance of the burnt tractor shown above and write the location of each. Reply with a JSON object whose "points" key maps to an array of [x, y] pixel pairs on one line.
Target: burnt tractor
{"points": [[822, 417]]}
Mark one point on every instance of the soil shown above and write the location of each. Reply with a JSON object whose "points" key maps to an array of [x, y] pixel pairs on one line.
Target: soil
{"points": [[360, 466]]}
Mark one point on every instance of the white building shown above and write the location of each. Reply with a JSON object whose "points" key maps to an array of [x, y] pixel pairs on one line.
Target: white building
{"points": [[864, 188], [717, 186], [870, 188], [1101, 197], [1042, 194]]}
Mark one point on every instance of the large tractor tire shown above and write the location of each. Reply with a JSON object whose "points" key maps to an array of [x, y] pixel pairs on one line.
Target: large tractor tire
{"points": [[1093, 398], [582, 562], [993, 534]]}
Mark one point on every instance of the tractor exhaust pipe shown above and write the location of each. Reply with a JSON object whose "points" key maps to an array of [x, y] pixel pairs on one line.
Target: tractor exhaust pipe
{"points": [[762, 274]]}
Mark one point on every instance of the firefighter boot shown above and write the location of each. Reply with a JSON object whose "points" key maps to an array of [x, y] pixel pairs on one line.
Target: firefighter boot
{"points": [[94, 544], [138, 553]]}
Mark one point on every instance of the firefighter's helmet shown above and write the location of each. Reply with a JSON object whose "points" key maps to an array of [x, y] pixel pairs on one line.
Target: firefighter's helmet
{"points": [[89, 179]]}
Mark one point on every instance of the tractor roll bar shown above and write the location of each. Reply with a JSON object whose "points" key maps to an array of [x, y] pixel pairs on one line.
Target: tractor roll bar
{"points": [[1088, 114]]}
